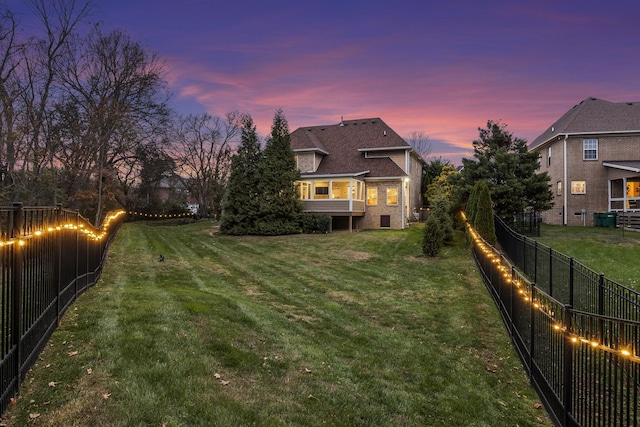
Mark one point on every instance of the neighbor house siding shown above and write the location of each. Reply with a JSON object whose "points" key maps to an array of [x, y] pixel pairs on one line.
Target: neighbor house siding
{"points": [[596, 176], [373, 213], [415, 184]]}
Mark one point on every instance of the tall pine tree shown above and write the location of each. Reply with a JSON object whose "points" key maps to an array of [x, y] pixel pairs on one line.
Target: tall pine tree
{"points": [[509, 170], [242, 199], [280, 206]]}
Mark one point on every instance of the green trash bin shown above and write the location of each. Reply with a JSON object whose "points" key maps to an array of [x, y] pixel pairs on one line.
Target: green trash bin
{"points": [[597, 219], [609, 219]]}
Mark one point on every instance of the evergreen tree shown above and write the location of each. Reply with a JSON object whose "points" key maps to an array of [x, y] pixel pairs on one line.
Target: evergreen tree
{"points": [[441, 210], [509, 170], [472, 204], [432, 237], [280, 206], [242, 199], [484, 222]]}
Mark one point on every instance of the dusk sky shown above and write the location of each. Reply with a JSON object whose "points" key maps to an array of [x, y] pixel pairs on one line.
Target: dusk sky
{"points": [[443, 68]]}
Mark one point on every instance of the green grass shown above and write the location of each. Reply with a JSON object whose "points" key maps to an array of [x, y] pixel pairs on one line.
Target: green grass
{"points": [[344, 329], [611, 251]]}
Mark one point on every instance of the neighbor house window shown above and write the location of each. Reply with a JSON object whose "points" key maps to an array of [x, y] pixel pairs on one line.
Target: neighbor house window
{"points": [[578, 187], [548, 156], [372, 196], [392, 195], [590, 149], [559, 188]]}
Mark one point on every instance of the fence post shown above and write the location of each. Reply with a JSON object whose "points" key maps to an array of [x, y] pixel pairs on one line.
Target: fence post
{"points": [[58, 272], [75, 286], [571, 275], [16, 279], [535, 261], [567, 395], [550, 272], [532, 327]]}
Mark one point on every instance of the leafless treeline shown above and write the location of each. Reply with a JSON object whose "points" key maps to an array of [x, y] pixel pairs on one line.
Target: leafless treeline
{"points": [[85, 118]]}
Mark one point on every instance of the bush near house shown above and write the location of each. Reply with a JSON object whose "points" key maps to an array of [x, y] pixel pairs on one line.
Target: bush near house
{"points": [[315, 223]]}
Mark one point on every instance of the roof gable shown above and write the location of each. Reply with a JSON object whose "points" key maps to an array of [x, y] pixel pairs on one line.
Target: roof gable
{"points": [[593, 116], [345, 146]]}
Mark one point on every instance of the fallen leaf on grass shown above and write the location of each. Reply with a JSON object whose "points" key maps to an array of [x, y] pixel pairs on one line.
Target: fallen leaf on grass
{"points": [[538, 405], [217, 376], [52, 384], [73, 353], [223, 382], [106, 395], [89, 371], [33, 416]]}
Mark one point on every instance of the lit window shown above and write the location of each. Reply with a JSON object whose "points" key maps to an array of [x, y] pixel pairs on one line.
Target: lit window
{"points": [[559, 188], [340, 190], [590, 149], [578, 187], [392, 195], [372, 196], [321, 190]]}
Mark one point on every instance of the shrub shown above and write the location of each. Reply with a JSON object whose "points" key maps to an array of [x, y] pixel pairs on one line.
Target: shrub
{"points": [[315, 223], [433, 237]]}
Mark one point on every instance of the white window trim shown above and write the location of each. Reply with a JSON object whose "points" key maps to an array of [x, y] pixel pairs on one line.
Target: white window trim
{"points": [[579, 192], [584, 149], [397, 196]]}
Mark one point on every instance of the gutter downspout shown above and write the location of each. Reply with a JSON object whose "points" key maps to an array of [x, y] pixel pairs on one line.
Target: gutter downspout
{"points": [[566, 184]]}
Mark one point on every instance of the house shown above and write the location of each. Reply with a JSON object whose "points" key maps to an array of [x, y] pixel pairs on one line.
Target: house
{"points": [[360, 172], [592, 154]]}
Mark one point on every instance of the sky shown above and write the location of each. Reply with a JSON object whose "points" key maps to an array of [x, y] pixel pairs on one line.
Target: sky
{"points": [[441, 68]]}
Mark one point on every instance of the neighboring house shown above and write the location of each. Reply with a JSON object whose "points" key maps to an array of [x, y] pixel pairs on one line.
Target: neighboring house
{"points": [[592, 154], [360, 172]]}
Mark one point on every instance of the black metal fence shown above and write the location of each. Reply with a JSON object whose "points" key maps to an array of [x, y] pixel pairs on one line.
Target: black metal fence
{"points": [[583, 359], [48, 256]]}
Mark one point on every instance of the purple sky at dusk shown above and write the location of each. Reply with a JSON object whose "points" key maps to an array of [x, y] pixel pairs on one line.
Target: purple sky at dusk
{"points": [[440, 67]]}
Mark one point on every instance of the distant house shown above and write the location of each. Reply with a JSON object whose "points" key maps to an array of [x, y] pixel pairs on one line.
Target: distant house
{"points": [[592, 154], [360, 172]]}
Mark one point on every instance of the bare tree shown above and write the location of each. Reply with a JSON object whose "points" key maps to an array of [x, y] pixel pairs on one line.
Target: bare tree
{"points": [[60, 20], [420, 143], [202, 148], [10, 87], [121, 94]]}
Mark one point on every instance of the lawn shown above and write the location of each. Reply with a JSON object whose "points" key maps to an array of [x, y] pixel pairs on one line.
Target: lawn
{"points": [[343, 329], [612, 251]]}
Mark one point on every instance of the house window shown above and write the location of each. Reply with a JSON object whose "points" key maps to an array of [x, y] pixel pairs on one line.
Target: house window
{"points": [[548, 156], [385, 221], [340, 189], [392, 195], [578, 187], [559, 188], [305, 190], [372, 196], [590, 149]]}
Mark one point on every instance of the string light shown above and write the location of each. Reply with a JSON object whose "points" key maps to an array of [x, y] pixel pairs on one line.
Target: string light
{"points": [[164, 216], [494, 257], [94, 235]]}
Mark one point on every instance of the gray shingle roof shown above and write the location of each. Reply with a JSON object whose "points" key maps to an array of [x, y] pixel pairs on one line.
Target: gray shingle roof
{"points": [[343, 144], [592, 116]]}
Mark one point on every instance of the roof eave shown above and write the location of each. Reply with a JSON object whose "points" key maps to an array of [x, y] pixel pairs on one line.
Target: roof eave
{"points": [[402, 147], [312, 150], [335, 175]]}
